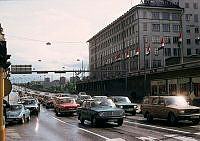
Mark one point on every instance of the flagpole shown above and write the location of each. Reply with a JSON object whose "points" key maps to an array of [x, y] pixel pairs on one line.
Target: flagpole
{"points": [[150, 60]]}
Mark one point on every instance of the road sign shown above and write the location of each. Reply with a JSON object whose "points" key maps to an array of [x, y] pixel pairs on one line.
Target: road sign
{"points": [[21, 69], [7, 87]]}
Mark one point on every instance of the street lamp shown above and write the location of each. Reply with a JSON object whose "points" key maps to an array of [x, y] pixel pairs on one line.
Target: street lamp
{"points": [[81, 67]]}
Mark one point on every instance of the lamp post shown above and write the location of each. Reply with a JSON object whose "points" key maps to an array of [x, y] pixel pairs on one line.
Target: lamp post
{"points": [[81, 67]]}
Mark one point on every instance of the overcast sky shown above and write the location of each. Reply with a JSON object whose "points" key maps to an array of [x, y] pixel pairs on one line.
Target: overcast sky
{"points": [[29, 24]]}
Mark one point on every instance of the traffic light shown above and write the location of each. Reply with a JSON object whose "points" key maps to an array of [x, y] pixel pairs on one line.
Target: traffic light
{"points": [[3, 55]]}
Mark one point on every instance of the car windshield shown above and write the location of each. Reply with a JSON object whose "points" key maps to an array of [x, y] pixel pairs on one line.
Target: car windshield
{"points": [[122, 99], [179, 101], [86, 97], [28, 102], [15, 107], [67, 100], [103, 103]]}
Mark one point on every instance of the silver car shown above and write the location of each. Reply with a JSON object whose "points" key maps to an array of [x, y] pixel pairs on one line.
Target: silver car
{"points": [[17, 112]]}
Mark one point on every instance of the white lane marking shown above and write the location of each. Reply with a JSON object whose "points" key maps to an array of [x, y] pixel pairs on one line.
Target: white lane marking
{"points": [[12, 133], [149, 138], [82, 129], [182, 138], [197, 133], [117, 139], [168, 129]]}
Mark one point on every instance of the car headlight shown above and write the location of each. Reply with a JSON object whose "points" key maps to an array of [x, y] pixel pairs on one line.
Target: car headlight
{"points": [[181, 112], [120, 107], [20, 115]]}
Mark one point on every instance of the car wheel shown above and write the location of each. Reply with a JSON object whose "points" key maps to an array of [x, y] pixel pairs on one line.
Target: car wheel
{"points": [[37, 113], [195, 121], [22, 120], [82, 120], [149, 117], [120, 122], [172, 119], [28, 118], [94, 121], [57, 113]]}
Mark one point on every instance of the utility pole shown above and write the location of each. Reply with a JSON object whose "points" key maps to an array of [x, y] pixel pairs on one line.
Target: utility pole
{"points": [[3, 67], [2, 125]]}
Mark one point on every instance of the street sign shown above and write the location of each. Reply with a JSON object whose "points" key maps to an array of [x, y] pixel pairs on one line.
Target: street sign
{"points": [[21, 69], [7, 87]]}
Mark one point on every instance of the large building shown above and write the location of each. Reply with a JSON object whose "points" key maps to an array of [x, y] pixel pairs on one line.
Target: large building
{"points": [[125, 43]]}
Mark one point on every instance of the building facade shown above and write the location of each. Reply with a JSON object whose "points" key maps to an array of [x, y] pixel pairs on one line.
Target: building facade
{"points": [[133, 41]]}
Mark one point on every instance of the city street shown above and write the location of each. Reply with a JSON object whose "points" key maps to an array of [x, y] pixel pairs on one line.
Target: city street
{"points": [[48, 127]]}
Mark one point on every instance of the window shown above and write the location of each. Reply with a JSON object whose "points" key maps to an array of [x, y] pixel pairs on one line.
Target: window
{"points": [[196, 30], [155, 15], [156, 27], [195, 5], [144, 14], [176, 28], [166, 27], [176, 51], [198, 51], [176, 17], [175, 40], [196, 41], [188, 41], [189, 51], [156, 39], [165, 16], [167, 40], [196, 19], [144, 26], [187, 5], [188, 29], [187, 17], [156, 63], [167, 51]]}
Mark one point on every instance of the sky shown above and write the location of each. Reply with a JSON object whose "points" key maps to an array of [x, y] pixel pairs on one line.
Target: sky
{"points": [[66, 24]]}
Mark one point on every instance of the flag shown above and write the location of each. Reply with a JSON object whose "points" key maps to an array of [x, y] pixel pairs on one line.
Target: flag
{"points": [[118, 57], [137, 51], [180, 38], [148, 49], [162, 43], [128, 53]]}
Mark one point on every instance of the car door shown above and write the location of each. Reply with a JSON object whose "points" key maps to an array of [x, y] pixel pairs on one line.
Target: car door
{"points": [[154, 108], [162, 108]]}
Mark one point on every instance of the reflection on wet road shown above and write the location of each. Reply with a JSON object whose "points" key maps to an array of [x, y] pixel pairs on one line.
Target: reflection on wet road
{"points": [[48, 127]]}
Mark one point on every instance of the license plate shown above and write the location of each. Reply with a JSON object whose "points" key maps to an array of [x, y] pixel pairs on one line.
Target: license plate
{"points": [[112, 120], [130, 109], [195, 116]]}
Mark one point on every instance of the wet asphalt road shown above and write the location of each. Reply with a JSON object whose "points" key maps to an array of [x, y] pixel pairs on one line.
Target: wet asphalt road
{"points": [[48, 127]]}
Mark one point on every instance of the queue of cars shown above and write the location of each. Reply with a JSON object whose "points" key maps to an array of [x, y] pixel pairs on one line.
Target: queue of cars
{"points": [[22, 110]]}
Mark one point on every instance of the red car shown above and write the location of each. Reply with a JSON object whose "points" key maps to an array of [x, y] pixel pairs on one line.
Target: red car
{"points": [[65, 105]]}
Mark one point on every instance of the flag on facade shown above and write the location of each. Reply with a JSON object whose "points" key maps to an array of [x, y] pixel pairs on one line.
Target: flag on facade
{"points": [[137, 51], [148, 49], [162, 43], [118, 57], [180, 37], [128, 53]]}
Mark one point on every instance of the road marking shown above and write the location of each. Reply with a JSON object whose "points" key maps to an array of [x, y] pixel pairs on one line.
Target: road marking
{"points": [[12, 133], [168, 129], [146, 138], [197, 133], [117, 139], [107, 139], [182, 138]]}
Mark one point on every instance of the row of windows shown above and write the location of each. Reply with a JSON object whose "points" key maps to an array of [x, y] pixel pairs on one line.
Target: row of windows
{"points": [[166, 16], [130, 19], [165, 27], [117, 38], [188, 17], [121, 25], [195, 5]]}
